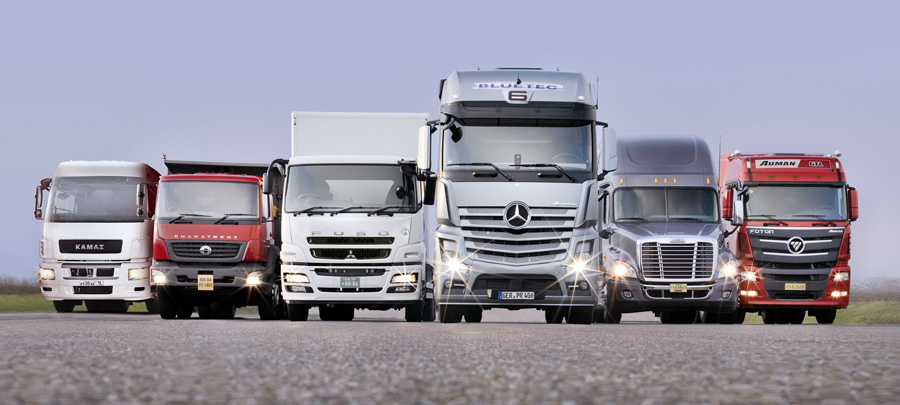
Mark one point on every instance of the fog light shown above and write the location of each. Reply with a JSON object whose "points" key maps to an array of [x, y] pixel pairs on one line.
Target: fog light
{"points": [[749, 276], [405, 278], [254, 278], [296, 278], [627, 294], [139, 274], [46, 274], [158, 277], [749, 293], [726, 294], [447, 284], [838, 294], [841, 276]]}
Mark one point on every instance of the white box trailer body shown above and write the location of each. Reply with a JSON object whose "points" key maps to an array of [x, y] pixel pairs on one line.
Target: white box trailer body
{"points": [[352, 230], [96, 247]]}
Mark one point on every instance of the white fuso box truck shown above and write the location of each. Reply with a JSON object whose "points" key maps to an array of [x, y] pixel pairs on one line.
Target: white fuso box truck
{"points": [[352, 230]]}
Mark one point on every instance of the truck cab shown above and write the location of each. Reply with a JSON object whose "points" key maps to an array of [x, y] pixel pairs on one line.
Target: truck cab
{"points": [[516, 194], [791, 215], [215, 242], [96, 246], [660, 219]]}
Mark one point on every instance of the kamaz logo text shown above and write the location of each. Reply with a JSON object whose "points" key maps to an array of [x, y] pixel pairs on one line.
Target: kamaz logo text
{"points": [[84, 246]]}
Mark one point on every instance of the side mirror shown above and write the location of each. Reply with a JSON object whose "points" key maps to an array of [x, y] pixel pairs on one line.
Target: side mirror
{"points": [[727, 203], [737, 217], [854, 203], [141, 194], [606, 233], [39, 198], [267, 184], [400, 192], [423, 158], [608, 151], [455, 133], [430, 190]]}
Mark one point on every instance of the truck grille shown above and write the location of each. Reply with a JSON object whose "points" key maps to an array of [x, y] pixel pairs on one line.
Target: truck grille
{"points": [[93, 290], [489, 238], [677, 261], [219, 250], [342, 254], [349, 272]]}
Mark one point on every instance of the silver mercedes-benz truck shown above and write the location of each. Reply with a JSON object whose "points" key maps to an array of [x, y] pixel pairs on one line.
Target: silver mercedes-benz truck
{"points": [[515, 194], [659, 218]]}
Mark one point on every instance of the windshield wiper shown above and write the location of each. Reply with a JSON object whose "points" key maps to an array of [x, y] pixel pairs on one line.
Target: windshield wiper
{"points": [[309, 211], [633, 219], [381, 211], [187, 215], [695, 219], [485, 164], [816, 216], [229, 215], [772, 217], [346, 209], [554, 165]]}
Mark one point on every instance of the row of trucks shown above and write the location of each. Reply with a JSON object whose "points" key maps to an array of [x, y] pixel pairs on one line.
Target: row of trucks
{"points": [[517, 197]]}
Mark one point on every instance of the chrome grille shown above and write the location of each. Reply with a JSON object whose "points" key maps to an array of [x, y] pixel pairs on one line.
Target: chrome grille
{"points": [[489, 238], [677, 261], [220, 250]]}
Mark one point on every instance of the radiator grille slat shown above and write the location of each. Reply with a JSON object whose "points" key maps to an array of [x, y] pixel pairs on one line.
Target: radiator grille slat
{"points": [[677, 261], [489, 238], [220, 250]]}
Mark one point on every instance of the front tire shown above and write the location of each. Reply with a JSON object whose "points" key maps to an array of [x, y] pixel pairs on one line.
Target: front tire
{"points": [[168, 307], [152, 306], [580, 315], [272, 307], [474, 315], [825, 316], [415, 311], [449, 314], [64, 306], [298, 312]]}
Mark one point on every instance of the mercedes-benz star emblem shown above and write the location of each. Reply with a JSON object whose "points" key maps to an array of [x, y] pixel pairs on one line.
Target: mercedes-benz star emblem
{"points": [[205, 250], [795, 245], [517, 215]]}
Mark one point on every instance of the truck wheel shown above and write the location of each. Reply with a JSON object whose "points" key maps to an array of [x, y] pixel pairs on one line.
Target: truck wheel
{"points": [[678, 317], [553, 315], [152, 306], [449, 314], [326, 313], [727, 319], [823, 316], [414, 311], [185, 310], [297, 312], [168, 307], [709, 317], [474, 315], [768, 317], [580, 315], [223, 310], [796, 317], [346, 312], [611, 316], [739, 316], [429, 312], [205, 311], [64, 306], [271, 307]]}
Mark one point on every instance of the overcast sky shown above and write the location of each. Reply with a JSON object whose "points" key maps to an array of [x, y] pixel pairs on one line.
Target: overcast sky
{"points": [[218, 80]]}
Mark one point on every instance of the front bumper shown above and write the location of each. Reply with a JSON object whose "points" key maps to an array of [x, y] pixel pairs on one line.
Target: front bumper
{"points": [[373, 289], [229, 281], [115, 287], [719, 295], [480, 284], [770, 293]]}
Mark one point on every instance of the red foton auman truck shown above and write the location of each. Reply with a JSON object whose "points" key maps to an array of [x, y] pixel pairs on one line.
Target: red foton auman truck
{"points": [[216, 241], [791, 214]]}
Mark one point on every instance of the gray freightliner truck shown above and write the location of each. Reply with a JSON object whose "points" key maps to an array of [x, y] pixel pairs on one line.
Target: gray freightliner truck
{"points": [[663, 242]]}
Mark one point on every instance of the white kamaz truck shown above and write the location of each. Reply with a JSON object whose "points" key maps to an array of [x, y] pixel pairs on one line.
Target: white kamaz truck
{"points": [[96, 246], [516, 194], [352, 230]]}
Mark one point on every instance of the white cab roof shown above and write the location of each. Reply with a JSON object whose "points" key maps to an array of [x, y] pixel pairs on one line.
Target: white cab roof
{"points": [[348, 159], [105, 168]]}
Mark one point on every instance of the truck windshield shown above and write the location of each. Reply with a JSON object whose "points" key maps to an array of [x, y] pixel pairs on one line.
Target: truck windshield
{"points": [[665, 204], [796, 203], [349, 188], [208, 201], [507, 143], [93, 199]]}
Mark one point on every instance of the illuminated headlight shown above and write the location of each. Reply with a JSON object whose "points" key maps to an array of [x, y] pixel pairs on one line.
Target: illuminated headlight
{"points": [[749, 293], [296, 278], [748, 275], [728, 270], [622, 269], [46, 274], [254, 278], [841, 276], [838, 294], [159, 277], [580, 262], [139, 274], [404, 278]]}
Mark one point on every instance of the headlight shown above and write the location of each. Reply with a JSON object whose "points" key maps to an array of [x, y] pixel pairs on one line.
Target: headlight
{"points": [[139, 274], [47, 274], [158, 277], [579, 263], [296, 278], [728, 269], [841, 276], [622, 269], [748, 275], [404, 278], [449, 247], [254, 278]]}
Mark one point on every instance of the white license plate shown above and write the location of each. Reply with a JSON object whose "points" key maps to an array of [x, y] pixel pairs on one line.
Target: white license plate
{"points": [[516, 295], [90, 283]]}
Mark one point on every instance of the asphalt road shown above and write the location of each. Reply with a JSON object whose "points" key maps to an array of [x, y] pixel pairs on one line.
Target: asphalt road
{"points": [[97, 358]]}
